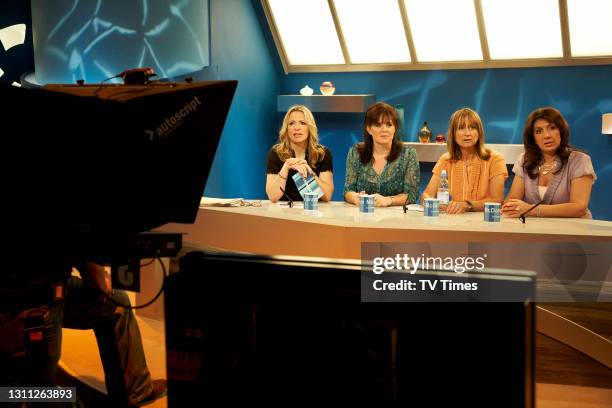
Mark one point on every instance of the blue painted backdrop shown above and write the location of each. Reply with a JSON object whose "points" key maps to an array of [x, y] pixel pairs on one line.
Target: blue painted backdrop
{"points": [[241, 48]]}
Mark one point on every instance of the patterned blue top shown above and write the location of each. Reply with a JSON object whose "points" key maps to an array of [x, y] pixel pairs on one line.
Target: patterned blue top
{"points": [[399, 176]]}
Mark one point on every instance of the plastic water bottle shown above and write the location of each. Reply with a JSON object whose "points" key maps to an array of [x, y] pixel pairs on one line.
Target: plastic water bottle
{"points": [[443, 194]]}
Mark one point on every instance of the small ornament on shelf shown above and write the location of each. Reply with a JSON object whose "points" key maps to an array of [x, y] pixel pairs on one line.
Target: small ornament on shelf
{"points": [[440, 138], [306, 91], [425, 133]]}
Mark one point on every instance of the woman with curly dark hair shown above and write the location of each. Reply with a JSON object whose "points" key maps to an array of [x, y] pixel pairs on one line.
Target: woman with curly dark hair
{"points": [[550, 171]]}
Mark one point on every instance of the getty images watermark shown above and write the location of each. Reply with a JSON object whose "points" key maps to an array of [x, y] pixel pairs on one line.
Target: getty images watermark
{"points": [[409, 264], [489, 272]]}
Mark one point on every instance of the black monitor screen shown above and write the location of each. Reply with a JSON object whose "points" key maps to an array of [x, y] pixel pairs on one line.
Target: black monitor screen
{"points": [[279, 328]]}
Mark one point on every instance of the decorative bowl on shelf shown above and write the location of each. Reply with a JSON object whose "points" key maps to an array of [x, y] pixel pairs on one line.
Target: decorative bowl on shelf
{"points": [[327, 88], [440, 138], [306, 91]]}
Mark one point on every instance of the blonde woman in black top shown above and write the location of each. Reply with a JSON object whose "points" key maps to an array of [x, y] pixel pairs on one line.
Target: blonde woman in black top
{"points": [[298, 151]]}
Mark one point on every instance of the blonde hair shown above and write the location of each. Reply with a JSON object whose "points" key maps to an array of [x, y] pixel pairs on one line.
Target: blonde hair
{"points": [[314, 149], [468, 116]]}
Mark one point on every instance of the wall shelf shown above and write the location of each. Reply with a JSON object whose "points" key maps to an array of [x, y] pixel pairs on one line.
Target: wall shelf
{"points": [[322, 103], [431, 152]]}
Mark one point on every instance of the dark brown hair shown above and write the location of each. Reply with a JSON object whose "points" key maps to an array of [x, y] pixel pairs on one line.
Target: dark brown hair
{"points": [[376, 112], [467, 116], [533, 154]]}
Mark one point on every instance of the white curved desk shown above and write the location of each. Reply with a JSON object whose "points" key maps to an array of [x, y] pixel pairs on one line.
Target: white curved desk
{"points": [[338, 229]]}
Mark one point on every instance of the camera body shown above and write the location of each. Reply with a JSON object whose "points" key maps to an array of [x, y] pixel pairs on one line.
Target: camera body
{"points": [[137, 76]]}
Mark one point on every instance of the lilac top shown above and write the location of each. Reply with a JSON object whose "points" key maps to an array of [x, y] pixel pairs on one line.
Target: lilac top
{"points": [[558, 192]]}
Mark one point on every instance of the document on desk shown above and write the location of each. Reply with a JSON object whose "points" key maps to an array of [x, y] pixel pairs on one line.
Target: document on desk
{"points": [[221, 202]]}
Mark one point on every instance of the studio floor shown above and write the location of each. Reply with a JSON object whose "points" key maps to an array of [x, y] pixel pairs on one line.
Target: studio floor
{"points": [[565, 377]]}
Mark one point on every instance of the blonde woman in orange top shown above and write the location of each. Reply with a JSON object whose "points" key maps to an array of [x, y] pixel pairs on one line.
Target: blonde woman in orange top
{"points": [[475, 174]]}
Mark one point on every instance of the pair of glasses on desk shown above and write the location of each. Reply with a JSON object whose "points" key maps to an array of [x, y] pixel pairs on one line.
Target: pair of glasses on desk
{"points": [[256, 203]]}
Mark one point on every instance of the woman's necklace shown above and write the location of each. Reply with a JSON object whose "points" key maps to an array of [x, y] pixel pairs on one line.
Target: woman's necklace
{"points": [[546, 168]]}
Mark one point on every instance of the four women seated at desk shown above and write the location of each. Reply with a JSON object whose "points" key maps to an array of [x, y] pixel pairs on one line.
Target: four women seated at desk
{"points": [[550, 172]]}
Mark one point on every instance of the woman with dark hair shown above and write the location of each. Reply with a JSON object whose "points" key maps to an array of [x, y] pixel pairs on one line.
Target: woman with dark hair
{"points": [[382, 165], [550, 171], [476, 175], [298, 151]]}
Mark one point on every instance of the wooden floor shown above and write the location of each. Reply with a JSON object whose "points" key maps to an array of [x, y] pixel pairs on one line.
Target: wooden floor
{"points": [[572, 396], [557, 363], [594, 316], [586, 385]]}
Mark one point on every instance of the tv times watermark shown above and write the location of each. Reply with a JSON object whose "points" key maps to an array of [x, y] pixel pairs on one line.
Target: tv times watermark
{"points": [[498, 272]]}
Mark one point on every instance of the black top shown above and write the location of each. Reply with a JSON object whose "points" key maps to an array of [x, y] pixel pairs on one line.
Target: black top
{"points": [[275, 164]]}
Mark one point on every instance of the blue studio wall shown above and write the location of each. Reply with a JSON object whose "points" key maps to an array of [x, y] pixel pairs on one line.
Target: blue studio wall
{"points": [[503, 98], [239, 50]]}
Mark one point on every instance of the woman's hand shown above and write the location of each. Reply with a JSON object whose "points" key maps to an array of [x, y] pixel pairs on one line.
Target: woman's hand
{"points": [[456, 207], [357, 199], [382, 201], [514, 208], [299, 165]]}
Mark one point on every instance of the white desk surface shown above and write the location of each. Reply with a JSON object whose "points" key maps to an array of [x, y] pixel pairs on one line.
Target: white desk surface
{"points": [[337, 229]]}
